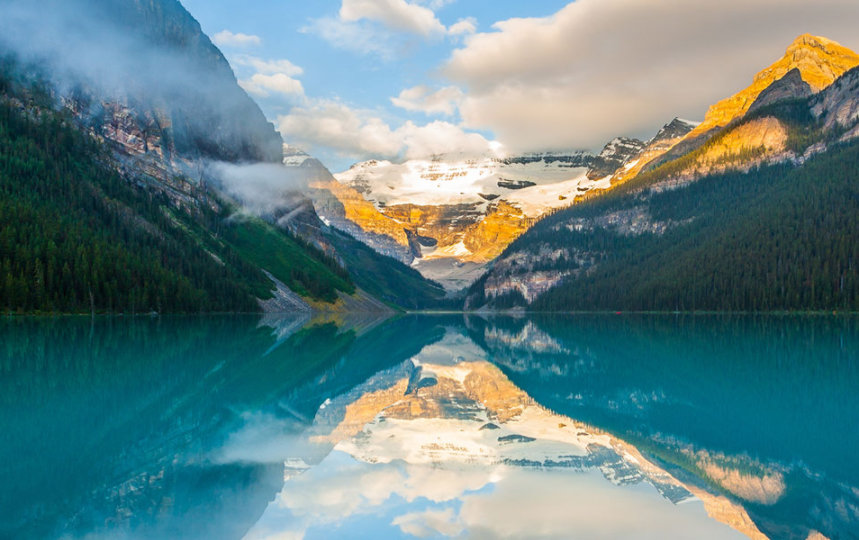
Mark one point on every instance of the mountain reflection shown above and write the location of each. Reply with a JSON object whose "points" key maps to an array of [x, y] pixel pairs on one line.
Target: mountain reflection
{"points": [[224, 427]]}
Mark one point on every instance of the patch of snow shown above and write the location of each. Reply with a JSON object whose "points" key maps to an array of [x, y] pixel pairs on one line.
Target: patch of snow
{"points": [[451, 251], [466, 181]]}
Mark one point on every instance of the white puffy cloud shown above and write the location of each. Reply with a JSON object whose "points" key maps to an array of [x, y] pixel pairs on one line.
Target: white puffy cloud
{"points": [[601, 68], [463, 27], [225, 38], [267, 66], [362, 134], [262, 85], [442, 138], [334, 125], [269, 76], [397, 15], [382, 28], [424, 99]]}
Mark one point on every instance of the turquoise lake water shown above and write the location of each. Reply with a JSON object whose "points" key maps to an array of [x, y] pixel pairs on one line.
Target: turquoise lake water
{"points": [[586, 426]]}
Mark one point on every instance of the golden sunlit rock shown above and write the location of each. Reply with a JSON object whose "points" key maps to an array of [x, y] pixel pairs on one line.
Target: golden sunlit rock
{"points": [[819, 60], [764, 135], [362, 212]]}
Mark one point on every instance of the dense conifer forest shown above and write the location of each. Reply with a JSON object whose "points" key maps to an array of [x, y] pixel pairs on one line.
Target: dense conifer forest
{"points": [[77, 236], [776, 238]]}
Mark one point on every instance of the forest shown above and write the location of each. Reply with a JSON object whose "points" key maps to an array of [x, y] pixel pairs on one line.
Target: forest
{"points": [[779, 237], [76, 236]]}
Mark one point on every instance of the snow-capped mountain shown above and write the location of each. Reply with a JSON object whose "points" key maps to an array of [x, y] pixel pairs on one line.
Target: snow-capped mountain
{"points": [[450, 214]]}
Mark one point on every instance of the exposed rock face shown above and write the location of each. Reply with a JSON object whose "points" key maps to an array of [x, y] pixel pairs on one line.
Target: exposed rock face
{"points": [[819, 61], [838, 105], [666, 138], [744, 145], [530, 285], [161, 93], [614, 155], [215, 118], [503, 224], [283, 300], [788, 87]]}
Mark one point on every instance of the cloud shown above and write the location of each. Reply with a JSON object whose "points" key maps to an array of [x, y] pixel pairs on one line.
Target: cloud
{"points": [[397, 15], [382, 27], [434, 5], [429, 523], [350, 36], [362, 134], [262, 85], [267, 66], [601, 68], [270, 76], [423, 99], [463, 27], [262, 188], [225, 38]]}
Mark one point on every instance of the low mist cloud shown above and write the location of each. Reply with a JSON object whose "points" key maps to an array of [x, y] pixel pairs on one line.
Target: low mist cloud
{"points": [[152, 56], [262, 188]]}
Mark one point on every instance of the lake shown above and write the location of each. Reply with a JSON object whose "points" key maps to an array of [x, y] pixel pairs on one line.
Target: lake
{"points": [[580, 426]]}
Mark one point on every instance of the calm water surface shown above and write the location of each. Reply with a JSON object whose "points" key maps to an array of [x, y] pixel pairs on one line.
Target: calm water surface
{"points": [[430, 426]]}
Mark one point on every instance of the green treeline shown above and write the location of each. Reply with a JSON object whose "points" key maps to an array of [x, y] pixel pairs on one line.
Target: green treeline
{"points": [[75, 235]]}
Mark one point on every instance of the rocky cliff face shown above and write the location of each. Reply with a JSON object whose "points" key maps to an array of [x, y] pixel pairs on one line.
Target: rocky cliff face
{"points": [[142, 74], [615, 155], [838, 105], [666, 138], [791, 86], [212, 117]]}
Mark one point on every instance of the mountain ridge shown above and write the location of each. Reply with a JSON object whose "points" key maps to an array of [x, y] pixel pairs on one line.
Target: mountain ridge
{"points": [[740, 196]]}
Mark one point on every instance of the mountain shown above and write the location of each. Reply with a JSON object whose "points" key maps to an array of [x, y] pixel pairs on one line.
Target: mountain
{"points": [[140, 177], [161, 91], [450, 215], [818, 60], [761, 216]]}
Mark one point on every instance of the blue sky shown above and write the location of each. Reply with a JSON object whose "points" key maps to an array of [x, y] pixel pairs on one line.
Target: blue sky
{"points": [[360, 79], [349, 80]]}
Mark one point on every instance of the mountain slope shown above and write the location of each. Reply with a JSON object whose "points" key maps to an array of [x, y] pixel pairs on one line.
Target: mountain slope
{"points": [[819, 61], [761, 216], [142, 73], [77, 236], [809, 65], [160, 110], [771, 239], [741, 223]]}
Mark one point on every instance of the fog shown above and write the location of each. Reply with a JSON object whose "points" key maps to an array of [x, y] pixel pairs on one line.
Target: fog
{"points": [[262, 188], [149, 55]]}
